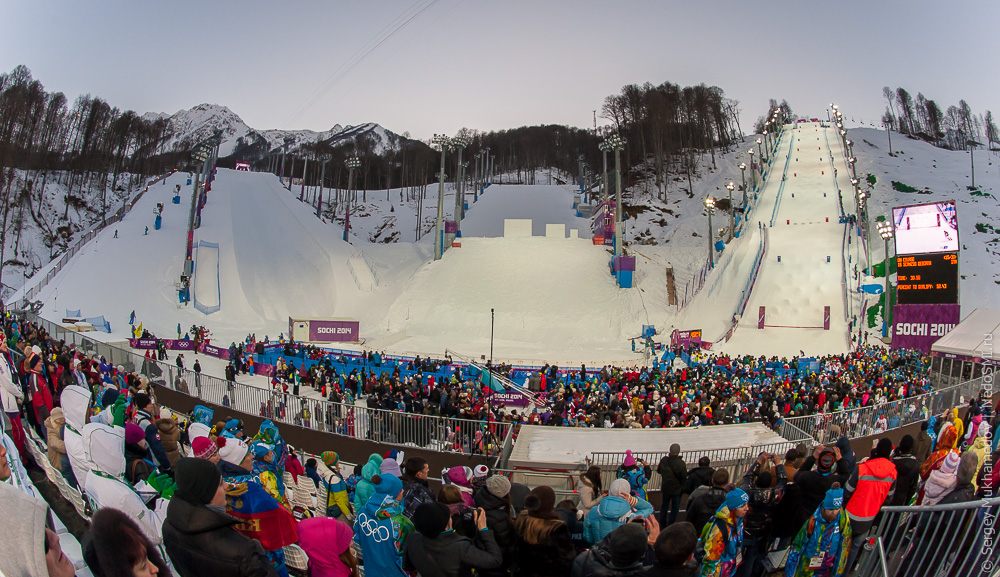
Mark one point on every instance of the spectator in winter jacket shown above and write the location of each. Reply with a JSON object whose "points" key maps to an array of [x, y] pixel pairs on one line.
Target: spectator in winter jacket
{"points": [[830, 468], [462, 516], [494, 499], [674, 550], [618, 508], [54, 435], [870, 487], [170, 436], [327, 542], [436, 549], [198, 534], [940, 482], [907, 472], [980, 447], [965, 489], [673, 476], [416, 492], [311, 471], [542, 542], [822, 546], [381, 529], [143, 417], [460, 477], [922, 444], [366, 488], [114, 545], [30, 548], [791, 456], [723, 536], [705, 502], [636, 476], [138, 463], [622, 552], [699, 476], [328, 471], [590, 491], [763, 499]]}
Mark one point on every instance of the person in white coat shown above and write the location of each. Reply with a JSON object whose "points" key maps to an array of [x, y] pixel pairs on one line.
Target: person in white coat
{"points": [[10, 394], [75, 401], [105, 483]]}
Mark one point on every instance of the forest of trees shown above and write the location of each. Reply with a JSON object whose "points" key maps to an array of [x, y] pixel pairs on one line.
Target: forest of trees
{"points": [[665, 126], [952, 128]]}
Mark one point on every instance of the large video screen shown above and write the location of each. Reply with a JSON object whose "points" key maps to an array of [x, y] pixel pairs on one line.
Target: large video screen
{"points": [[926, 279], [926, 228]]}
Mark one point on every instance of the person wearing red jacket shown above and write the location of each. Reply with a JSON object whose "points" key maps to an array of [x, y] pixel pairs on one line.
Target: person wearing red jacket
{"points": [[871, 485], [41, 396]]}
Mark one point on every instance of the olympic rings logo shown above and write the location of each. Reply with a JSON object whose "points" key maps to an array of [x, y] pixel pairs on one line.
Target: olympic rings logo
{"points": [[371, 528]]}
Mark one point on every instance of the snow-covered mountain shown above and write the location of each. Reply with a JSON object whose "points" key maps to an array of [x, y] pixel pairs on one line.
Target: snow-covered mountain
{"points": [[190, 127]]}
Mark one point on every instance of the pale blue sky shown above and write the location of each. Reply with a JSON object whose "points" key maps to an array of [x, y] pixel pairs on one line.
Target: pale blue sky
{"points": [[498, 64]]}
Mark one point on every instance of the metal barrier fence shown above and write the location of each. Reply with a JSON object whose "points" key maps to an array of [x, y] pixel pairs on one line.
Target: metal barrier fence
{"points": [[951, 540], [861, 422], [736, 460], [432, 432]]}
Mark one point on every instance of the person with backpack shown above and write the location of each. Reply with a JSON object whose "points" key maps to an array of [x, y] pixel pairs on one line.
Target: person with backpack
{"points": [[337, 504], [138, 465], [757, 523], [722, 537], [823, 544], [636, 476]]}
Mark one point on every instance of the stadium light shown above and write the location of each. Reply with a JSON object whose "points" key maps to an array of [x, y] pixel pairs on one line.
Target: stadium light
{"points": [[605, 148], [743, 175], [710, 208], [445, 143], [617, 143], [459, 143], [351, 163], [886, 232], [325, 158], [732, 211], [761, 154]]}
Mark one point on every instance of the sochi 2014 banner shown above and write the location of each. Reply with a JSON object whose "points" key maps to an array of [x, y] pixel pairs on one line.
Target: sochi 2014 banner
{"points": [[920, 326], [333, 330]]}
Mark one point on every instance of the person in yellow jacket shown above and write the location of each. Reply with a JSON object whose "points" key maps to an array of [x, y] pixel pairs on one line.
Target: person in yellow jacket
{"points": [[981, 448], [337, 504]]}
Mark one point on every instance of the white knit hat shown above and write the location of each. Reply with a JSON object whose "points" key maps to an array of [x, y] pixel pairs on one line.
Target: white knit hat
{"points": [[232, 450]]}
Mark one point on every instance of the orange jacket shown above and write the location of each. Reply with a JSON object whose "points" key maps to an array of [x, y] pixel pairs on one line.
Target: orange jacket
{"points": [[870, 486]]}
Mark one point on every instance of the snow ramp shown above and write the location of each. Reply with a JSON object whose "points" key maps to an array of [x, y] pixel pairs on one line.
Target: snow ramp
{"points": [[207, 298]]}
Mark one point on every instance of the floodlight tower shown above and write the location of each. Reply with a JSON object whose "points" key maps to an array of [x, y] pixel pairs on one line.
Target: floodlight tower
{"points": [[459, 143], [743, 175], [886, 232], [351, 163], [445, 143], [617, 143], [710, 208], [732, 211]]}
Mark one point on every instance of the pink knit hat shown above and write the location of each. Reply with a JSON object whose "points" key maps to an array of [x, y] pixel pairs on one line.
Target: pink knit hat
{"points": [[951, 463], [203, 448], [629, 459]]}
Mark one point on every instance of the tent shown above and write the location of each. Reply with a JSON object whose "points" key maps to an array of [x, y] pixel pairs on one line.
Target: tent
{"points": [[974, 337]]}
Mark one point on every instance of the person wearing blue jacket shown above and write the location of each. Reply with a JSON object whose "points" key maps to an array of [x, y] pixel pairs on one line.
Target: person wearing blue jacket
{"points": [[143, 417], [614, 510], [381, 528]]}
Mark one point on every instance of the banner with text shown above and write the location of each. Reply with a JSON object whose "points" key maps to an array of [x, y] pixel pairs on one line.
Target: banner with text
{"points": [[331, 331], [920, 326]]}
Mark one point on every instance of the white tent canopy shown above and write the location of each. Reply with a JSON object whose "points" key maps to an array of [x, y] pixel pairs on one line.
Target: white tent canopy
{"points": [[973, 337]]}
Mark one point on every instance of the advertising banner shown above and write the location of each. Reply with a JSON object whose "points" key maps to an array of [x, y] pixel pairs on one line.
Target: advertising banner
{"points": [[920, 326], [142, 343], [511, 398], [684, 338], [333, 331], [183, 345], [214, 351]]}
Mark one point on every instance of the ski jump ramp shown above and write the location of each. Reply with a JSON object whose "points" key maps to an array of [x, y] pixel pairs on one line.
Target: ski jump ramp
{"points": [[802, 271]]}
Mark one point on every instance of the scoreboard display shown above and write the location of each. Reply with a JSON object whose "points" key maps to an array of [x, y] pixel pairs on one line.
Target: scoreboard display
{"points": [[930, 278]]}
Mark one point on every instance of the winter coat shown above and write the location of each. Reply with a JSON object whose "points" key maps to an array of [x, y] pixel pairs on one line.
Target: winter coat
{"points": [[498, 516], [75, 401], [814, 484], [382, 530], [962, 493], [550, 555], [656, 570], [673, 474], [451, 555], [723, 541], [324, 539], [138, 464], [938, 485], [612, 513], [202, 542], [596, 562], [170, 435], [152, 433], [981, 450], [757, 522], [907, 479], [365, 488], [105, 485], [415, 494], [56, 446], [816, 536], [870, 486], [336, 492], [702, 507], [587, 498], [698, 477], [10, 390]]}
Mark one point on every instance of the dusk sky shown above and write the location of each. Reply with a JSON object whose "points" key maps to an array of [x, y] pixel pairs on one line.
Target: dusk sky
{"points": [[500, 64]]}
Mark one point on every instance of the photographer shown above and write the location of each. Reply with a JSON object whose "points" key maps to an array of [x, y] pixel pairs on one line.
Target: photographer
{"points": [[436, 550], [757, 523]]}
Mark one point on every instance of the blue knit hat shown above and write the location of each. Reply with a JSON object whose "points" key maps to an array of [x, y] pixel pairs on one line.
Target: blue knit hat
{"points": [[259, 449], [834, 499], [736, 499], [387, 484]]}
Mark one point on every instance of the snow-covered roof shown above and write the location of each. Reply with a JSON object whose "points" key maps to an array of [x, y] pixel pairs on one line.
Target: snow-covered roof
{"points": [[973, 337]]}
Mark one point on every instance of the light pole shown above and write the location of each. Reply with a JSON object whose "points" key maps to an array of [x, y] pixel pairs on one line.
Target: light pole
{"points": [[322, 179], [445, 143], [743, 175], [352, 163], [492, 323], [710, 208], [761, 154], [459, 143], [605, 147], [487, 169], [753, 171], [886, 232], [732, 211], [617, 143]]}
